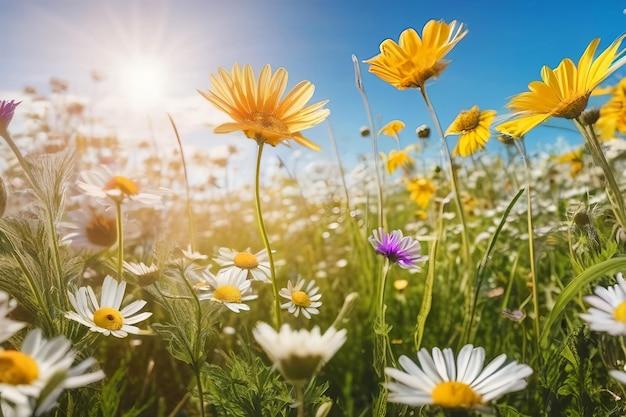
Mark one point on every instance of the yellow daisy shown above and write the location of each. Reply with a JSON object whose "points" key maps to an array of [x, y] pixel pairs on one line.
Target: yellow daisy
{"points": [[564, 91], [575, 158], [397, 159], [257, 108], [414, 60], [421, 190], [613, 113], [392, 129], [473, 126]]}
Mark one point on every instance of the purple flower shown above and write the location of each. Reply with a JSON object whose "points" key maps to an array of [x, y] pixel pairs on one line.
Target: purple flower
{"points": [[397, 248], [6, 112]]}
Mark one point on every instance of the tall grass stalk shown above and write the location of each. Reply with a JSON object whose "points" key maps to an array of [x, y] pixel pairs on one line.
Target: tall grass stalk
{"points": [[119, 223], [190, 220], [266, 241], [519, 143]]}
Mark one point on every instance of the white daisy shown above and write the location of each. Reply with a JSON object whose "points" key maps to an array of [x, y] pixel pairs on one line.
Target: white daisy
{"points": [[608, 311], [463, 383], [103, 184], [146, 275], [8, 327], [229, 288], [90, 228], [298, 354], [305, 301], [254, 266], [42, 366], [193, 255], [106, 317]]}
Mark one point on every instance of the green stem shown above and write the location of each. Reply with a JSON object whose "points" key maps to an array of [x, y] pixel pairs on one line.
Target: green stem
{"points": [[531, 242], [300, 399], [382, 346], [192, 232], [455, 188], [120, 239], [613, 191], [266, 241]]}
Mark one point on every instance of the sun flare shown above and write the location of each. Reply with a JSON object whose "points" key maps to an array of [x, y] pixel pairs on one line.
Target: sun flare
{"points": [[144, 82]]}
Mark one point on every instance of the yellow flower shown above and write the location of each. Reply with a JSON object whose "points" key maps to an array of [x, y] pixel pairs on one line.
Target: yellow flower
{"points": [[421, 190], [473, 126], [613, 113], [257, 108], [392, 129], [564, 91], [413, 61], [575, 158], [398, 159]]}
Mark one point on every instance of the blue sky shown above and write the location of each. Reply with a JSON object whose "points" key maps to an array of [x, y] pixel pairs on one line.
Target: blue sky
{"points": [[186, 40]]}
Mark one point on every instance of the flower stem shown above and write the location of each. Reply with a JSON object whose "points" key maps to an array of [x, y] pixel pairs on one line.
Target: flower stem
{"points": [[531, 240], [266, 241], [613, 191], [382, 346], [453, 184], [300, 399], [120, 239], [192, 232]]}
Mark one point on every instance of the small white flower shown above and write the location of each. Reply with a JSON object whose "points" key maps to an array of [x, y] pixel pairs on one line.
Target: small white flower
{"points": [[91, 228], [231, 289], [608, 311], [193, 256], [305, 301], [104, 185], [146, 275], [298, 354], [245, 264], [463, 383], [105, 317], [619, 375], [8, 327], [41, 366]]}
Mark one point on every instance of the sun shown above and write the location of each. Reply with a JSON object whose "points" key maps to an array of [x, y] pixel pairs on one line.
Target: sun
{"points": [[143, 81]]}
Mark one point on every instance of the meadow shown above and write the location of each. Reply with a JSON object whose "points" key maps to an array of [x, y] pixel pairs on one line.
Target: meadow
{"points": [[472, 283]]}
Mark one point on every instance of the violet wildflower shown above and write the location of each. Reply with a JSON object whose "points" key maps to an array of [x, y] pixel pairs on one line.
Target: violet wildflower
{"points": [[404, 250], [7, 108]]}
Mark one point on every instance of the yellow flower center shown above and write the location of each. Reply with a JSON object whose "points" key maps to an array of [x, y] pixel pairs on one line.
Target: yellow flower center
{"points": [[468, 120], [454, 394], [245, 260], [227, 294], [123, 184], [17, 368], [266, 128], [573, 108], [101, 231], [620, 312], [108, 318], [300, 298]]}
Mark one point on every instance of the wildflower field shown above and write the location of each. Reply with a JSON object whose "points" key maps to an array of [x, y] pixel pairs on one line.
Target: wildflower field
{"points": [[461, 285]]}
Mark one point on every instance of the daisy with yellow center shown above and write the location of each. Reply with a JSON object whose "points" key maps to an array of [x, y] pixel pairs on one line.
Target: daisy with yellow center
{"points": [[230, 289], [473, 127], [564, 91], [421, 190], [244, 264], [462, 383], [414, 60], [91, 228], [258, 109], [301, 300], [397, 159], [106, 317], [608, 308], [39, 364], [104, 185]]}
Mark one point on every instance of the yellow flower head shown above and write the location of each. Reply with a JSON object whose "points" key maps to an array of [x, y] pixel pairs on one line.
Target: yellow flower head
{"points": [[392, 129], [613, 113], [564, 91], [257, 108], [473, 126], [414, 60], [398, 159], [575, 158], [421, 190]]}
